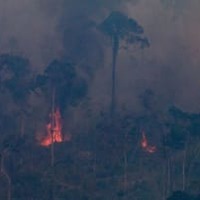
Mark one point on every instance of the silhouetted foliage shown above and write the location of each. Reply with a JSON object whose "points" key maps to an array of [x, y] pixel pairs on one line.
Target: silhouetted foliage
{"points": [[179, 195], [15, 77], [62, 76], [117, 26]]}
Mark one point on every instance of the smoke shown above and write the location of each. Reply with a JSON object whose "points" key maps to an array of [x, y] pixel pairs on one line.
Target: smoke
{"points": [[43, 30], [35, 28], [26, 30], [170, 67]]}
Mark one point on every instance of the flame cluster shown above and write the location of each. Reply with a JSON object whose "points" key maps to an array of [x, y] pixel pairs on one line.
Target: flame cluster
{"points": [[144, 144], [53, 129]]}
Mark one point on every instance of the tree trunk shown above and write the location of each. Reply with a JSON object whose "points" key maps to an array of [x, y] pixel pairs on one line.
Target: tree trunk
{"points": [[115, 48], [52, 144], [125, 166], [169, 184], [184, 163], [165, 168], [8, 179], [164, 183], [22, 125], [183, 170], [191, 164], [52, 127]]}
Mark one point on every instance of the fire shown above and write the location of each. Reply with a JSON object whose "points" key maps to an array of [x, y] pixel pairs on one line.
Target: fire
{"points": [[144, 142], [54, 129], [145, 145]]}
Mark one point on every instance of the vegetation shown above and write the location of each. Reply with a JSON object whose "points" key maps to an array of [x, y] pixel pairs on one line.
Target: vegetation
{"points": [[118, 27], [95, 160]]}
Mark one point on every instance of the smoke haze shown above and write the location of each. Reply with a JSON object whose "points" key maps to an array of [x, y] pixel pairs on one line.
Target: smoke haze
{"points": [[43, 30], [171, 64]]}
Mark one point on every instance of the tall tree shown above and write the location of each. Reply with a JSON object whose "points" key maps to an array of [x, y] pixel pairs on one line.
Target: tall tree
{"points": [[117, 26], [61, 85]]}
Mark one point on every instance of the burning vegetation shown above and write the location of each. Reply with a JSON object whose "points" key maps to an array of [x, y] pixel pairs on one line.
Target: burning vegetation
{"points": [[145, 144], [53, 129], [106, 150]]}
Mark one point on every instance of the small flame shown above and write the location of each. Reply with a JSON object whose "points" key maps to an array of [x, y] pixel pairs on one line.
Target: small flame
{"points": [[144, 142], [145, 145], [54, 129]]}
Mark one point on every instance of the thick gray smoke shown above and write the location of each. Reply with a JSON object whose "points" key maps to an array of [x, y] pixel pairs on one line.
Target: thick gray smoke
{"points": [[45, 29], [34, 28]]}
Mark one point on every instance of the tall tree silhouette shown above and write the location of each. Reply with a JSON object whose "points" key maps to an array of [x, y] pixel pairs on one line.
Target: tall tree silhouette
{"points": [[117, 26]]}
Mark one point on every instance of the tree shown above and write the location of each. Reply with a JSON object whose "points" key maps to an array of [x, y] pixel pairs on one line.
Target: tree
{"points": [[182, 127], [61, 84], [62, 87], [117, 26], [8, 146], [15, 78]]}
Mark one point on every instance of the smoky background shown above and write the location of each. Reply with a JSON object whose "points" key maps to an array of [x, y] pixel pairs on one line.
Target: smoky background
{"points": [[44, 30]]}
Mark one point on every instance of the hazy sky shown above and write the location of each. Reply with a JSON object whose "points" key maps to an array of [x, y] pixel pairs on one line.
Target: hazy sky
{"points": [[170, 67]]}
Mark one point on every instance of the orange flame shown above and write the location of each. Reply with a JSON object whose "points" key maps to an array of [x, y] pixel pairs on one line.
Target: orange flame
{"points": [[54, 129], [145, 145]]}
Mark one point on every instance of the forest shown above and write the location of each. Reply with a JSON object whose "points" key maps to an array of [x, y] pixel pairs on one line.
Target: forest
{"points": [[57, 144]]}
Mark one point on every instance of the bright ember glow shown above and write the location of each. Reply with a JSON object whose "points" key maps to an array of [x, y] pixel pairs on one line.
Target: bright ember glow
{"points": [[54, 129], [145, 145]]}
